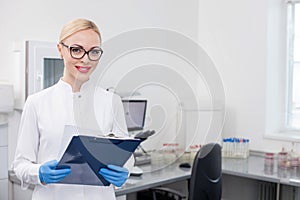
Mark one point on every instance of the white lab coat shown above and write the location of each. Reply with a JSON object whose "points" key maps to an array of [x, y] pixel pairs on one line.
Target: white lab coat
{"points": [[44, 117]]}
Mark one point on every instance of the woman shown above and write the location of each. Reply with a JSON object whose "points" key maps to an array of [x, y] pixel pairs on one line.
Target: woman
{"points": [[46, 114]]}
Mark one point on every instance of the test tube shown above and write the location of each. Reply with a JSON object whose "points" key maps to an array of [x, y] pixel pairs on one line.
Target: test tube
{"points": [[225, 148]]}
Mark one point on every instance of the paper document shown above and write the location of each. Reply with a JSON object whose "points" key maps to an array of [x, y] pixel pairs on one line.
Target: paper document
{"points": [[87, 154]]}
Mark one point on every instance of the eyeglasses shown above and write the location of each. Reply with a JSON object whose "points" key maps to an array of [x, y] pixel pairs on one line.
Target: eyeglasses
{"points": [[78, 52]]}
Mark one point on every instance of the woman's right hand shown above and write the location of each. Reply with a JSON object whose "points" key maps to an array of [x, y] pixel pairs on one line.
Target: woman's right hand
{"points": [[49, 174]]}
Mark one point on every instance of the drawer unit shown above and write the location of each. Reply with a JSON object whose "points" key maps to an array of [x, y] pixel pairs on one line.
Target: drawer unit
{"points": [[3, 135], [4, 163], [4, 189]]}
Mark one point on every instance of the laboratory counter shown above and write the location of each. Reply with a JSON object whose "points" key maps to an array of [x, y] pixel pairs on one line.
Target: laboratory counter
{"points": [[254, 167], [251, 168]]}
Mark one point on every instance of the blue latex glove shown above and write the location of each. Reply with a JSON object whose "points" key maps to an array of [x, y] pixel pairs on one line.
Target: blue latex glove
{"points": [[114, 174], [48, 173]]}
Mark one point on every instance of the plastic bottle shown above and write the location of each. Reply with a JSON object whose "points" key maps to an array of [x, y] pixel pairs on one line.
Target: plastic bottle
{"points": [[283, 159], [269, 163]]}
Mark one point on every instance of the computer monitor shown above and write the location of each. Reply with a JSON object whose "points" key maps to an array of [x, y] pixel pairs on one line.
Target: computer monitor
{"points": [[135, 112]]}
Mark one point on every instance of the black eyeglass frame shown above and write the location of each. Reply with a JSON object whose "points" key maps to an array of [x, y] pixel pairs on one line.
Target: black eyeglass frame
{"points": [[85, 52]]}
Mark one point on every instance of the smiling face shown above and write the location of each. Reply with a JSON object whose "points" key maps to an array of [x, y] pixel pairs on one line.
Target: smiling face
{"points": [[78, 71]]}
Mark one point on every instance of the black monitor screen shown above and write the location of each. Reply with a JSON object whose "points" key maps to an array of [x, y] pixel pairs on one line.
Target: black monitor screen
{"points": [[135, 111]]}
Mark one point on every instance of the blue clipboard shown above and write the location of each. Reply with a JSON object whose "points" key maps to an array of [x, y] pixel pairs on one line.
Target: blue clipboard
{"points": [[86, 155]]}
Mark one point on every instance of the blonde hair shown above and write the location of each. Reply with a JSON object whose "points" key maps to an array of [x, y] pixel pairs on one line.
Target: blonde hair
{"points": [[75, 26]]}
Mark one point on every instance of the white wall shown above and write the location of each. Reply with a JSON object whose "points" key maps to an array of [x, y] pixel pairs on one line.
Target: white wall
{"points": [[36, 20], [234, 34], [42, 21], [239, 37]]}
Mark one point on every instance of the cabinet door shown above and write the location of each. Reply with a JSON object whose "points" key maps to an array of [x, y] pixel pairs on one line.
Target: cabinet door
{"points": [[39, 56]]}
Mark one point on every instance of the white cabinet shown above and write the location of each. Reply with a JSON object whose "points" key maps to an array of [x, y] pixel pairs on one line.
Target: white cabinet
{"points": [[4, 189], [3, 136], [20, 194], [4, 162], [43, 65]]}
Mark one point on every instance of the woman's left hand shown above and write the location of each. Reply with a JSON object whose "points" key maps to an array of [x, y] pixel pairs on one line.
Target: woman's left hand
{"points": [[114, 174]]}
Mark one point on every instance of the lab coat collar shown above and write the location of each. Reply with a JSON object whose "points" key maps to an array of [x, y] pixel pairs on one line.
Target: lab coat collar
{"points": [[66, 86], [84, 87]]}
